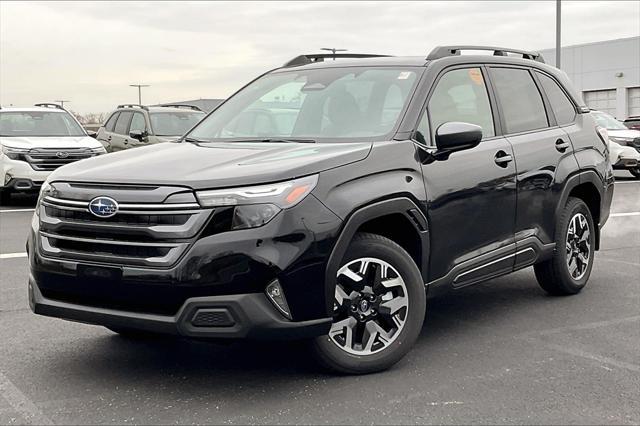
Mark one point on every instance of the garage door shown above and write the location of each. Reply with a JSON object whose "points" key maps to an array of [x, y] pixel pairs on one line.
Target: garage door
{"points": [[633, 94], [603, 100]]}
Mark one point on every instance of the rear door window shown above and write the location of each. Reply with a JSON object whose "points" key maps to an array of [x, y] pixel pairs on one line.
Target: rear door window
{"points": [[461, 95], [562, 107], [111, 122], [123, 122], [520, 100]]}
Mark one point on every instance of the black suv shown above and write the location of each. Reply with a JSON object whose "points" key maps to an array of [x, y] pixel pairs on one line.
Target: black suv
{"points": [[325, 199]]}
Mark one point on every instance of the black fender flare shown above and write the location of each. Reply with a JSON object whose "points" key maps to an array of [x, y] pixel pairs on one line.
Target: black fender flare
{"points": [[586, 176], [401, 205]]}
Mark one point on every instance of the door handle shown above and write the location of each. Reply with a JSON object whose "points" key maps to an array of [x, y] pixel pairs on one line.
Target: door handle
{"points": [[503, 159], [561, 145]]}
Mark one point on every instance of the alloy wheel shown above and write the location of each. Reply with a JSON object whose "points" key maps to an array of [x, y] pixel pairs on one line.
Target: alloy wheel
{"points": [[370, 306], [578, 247]]}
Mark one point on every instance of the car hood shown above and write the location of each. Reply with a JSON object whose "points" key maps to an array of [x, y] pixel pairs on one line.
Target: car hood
{"points": [[212, 165], [28, 142], [622, 133]]}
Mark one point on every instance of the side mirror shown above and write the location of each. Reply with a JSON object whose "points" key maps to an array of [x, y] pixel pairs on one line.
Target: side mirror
{"points": [[92, 134], [138, 135], [456, 136]]}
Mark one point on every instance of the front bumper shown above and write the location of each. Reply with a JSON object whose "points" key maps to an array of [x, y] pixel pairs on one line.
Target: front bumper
{"points": [[249, 316], [20, 176]]}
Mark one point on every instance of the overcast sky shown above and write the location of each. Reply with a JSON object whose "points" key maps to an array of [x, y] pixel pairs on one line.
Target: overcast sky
{"points": [[89, 52]]}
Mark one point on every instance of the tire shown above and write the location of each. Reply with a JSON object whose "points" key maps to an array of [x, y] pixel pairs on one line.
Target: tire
{"points": [[635, 172], [566, 272], [385, 327], [5, 197]]}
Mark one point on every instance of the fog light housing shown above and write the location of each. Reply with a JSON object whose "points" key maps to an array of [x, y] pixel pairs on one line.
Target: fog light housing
{"points": [[7, 178], [276, 295]]}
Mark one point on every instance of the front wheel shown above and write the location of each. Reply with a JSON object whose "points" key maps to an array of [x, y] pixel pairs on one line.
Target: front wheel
{"points": [[379, 308], [635, 172], [568, 271]]}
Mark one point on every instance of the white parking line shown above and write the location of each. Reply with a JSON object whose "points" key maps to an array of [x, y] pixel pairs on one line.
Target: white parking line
{"points": [[21, 403], [16, 210], [12, 255], [626, 181], [624, 214]]}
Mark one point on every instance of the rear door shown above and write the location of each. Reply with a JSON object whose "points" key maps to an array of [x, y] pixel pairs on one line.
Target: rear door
{"points": [[471, 194], [543, 152], [105, 133], [120, 137]]}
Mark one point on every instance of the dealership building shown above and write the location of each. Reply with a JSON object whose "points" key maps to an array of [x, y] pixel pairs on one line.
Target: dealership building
{"points": [[607, 73]]}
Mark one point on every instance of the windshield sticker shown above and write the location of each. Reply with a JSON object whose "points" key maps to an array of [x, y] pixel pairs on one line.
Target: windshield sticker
{"points": [[476, 76], [404, 75]]}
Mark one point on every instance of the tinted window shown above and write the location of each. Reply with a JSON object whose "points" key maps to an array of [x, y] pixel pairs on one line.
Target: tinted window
{"points": [[521, 103], [562, 106], [330, 103], [174, 123], [461, 95], [39, 123], [111, 122], [137, 123], [123, 122]]}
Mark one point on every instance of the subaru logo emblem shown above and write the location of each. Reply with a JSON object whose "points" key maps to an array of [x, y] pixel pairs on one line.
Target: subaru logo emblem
{"points": [[103, 207], [62, 154]]}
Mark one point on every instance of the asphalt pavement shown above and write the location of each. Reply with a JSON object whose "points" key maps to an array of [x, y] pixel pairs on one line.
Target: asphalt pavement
{"points": [[498, 352]]}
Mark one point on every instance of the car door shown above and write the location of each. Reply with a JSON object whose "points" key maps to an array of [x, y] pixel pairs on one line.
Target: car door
{"points": [[541, 147], [471, 194], [120, 138], [105, 133]]}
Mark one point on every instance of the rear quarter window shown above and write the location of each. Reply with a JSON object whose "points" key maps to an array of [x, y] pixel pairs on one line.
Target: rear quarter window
{"points": [[562, 107]]}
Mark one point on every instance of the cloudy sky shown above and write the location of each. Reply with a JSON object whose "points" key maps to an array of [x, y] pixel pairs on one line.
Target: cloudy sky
{"points": [[89, 52]]}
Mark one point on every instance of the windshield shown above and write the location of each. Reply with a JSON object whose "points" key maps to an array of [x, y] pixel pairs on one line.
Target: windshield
{"points": [[330, 103], [39, 123], [608, 122], [174, 123]]}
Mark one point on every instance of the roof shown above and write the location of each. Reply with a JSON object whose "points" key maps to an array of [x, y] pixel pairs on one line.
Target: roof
{"points": [[204, 104], [31, 109]]}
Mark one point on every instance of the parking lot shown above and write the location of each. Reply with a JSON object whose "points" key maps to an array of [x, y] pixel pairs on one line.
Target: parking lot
{"points": [[497, 352]]}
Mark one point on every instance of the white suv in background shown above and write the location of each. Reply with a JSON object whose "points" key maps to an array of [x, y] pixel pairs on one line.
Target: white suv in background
{"points": [[36, 140]]}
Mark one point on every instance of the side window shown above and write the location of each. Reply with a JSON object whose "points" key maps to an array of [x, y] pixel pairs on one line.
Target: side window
{"points": [[111, 122], [123, 122], [461, 95], [137, 123], [520, 101], [562, 107]]}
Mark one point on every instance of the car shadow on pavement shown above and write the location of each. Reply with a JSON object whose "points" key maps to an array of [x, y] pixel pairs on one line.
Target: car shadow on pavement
{"points": [[213, 366]]}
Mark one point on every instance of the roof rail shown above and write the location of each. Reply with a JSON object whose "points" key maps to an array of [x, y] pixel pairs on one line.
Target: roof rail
{"points": [[50, 105], [320, 57], [133, 106], [444, 51], [193, 107]]}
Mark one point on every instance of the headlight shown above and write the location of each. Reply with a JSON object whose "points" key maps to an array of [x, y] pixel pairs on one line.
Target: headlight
{"points": [[14, 153], [620, 140], [99, 150], [257, 205], [45, 190]]}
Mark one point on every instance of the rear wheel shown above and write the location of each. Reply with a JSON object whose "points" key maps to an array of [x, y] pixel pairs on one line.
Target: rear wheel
{"points": [[379, 308], [568, 271]]}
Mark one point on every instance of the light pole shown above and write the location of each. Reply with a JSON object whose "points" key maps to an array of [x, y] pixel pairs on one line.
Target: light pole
{"points": [[61, 101], [139, 86], [333, 50], [558, 33]]}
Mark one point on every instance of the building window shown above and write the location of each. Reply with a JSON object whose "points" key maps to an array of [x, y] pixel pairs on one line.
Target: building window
{"points": [[633, 95], [602, 100]]}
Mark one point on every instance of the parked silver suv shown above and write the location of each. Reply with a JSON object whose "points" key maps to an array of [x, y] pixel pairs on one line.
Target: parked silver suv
{"points": [[133, 125]]}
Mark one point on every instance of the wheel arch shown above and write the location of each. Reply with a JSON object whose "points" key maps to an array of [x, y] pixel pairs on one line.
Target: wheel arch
{"points": [[588, 187], [398, 219]]}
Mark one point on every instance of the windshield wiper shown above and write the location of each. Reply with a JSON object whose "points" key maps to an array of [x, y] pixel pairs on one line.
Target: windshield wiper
{"points": [[193, 140]]}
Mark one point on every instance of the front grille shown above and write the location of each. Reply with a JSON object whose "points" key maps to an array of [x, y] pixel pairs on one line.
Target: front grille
{"points": [[141, 234], [636, 143], [212, 318], [47, 159]]}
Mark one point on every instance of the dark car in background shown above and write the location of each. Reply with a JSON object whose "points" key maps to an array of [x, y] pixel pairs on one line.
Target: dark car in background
{"points": [[325, 199], [133, 125]]}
